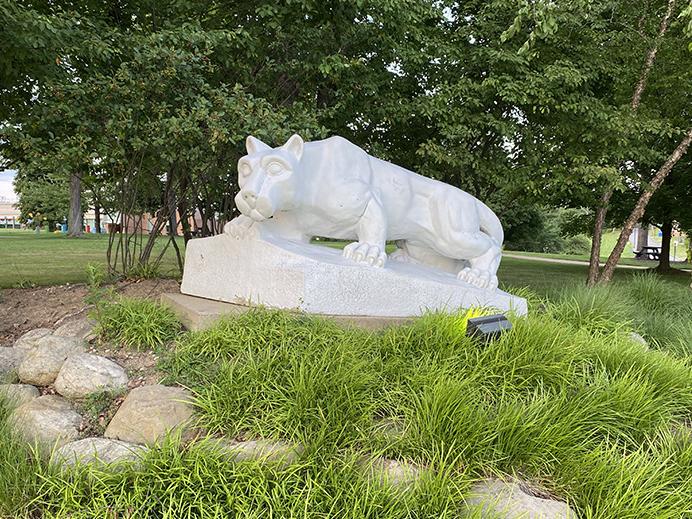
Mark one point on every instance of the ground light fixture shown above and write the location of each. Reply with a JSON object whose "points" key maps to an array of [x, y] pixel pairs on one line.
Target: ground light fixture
{"points": [[488, 327]]}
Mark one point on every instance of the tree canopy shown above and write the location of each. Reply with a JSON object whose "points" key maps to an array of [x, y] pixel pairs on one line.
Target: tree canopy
{"points": [[522, 103]]}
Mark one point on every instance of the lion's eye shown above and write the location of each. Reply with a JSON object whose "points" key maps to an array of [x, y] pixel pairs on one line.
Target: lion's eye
{"points": [[245, 169], [274, 168]]}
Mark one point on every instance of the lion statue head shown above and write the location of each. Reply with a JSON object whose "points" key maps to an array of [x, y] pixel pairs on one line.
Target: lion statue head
{"points": [[267, 177]]}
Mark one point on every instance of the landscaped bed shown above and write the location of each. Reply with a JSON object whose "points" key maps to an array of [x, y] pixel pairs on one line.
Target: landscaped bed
{"points": [[569, 406]]}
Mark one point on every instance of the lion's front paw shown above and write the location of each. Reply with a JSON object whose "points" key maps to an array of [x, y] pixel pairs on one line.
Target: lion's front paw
{"points": [[367, 253], [241, 228], [479, 278]]}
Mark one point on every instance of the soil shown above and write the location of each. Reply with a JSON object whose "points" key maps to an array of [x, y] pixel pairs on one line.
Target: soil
{"points": [[23, 309]]}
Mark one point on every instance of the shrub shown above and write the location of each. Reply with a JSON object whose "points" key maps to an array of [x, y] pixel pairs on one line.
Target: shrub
{"points": [[96, 275], [137, 323], [144, 271]]}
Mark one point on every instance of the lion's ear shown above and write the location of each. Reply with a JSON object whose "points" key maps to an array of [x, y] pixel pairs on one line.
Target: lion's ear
{"points": [[295, 145], [253, 145]]}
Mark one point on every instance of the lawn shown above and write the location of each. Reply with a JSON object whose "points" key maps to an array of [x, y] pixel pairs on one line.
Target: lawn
{"points": [[48, 259], [27, 258], [607, 245]]}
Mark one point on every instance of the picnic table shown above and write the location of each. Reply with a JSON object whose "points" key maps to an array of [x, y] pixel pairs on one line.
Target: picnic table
{"points": [[652, 253]]}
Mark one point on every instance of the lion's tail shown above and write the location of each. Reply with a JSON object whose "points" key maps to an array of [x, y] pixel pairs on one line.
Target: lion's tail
{"points": [[490, 223]]}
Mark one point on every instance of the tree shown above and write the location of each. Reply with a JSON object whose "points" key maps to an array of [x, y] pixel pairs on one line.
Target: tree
{"points": [[601, 210], [639, 208], [522, 107], [43, 201]]}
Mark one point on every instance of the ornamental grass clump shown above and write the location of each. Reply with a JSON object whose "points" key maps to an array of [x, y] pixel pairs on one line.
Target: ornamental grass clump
{"points": [[20, 468], [565, 401], [660, 311], [137, 323]]}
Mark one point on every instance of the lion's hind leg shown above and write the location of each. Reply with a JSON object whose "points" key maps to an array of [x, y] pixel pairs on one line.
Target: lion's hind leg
{"points": [[482, 270], [458, 235]]}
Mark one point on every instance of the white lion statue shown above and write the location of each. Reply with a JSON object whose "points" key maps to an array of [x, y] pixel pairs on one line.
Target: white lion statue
{"points": [[333, 188]]}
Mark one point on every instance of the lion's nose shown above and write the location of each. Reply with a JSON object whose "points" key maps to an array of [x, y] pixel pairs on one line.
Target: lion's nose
{"points": [[249, 197]]}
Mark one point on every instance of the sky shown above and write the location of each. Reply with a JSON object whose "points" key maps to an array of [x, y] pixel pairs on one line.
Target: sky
{"points": [[6, 188]]}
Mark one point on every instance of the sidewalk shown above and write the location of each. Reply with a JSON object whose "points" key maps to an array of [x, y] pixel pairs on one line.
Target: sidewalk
{"points": [[573, 262]]}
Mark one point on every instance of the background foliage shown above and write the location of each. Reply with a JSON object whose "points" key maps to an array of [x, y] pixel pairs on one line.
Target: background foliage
{"points": [[524, 104]]}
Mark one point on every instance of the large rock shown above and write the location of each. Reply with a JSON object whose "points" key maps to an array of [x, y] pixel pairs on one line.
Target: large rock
{"points": [[10, 358], [271, 451], [278, 273], [493, 498], [41, 365], [29, 340], [18, 394], [83, 373], [48, 421], [99, 452], [149, 413], [81, 328]]}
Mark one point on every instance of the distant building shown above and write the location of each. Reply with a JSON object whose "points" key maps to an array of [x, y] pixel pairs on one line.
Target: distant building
{"points": [[9, 215]]}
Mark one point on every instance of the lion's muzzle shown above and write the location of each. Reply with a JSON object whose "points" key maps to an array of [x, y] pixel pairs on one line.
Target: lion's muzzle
{"points": [[258, 208]]}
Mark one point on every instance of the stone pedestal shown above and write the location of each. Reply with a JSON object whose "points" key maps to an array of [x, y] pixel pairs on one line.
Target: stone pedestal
{"points": [[302, 277], [197, 313]]}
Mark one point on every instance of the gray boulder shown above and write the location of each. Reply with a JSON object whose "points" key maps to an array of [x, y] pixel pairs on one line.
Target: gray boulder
{"points": [[29, 340], [83, 373], [10, 359], [493, 498], [98, 452], [47, 421], [41, 365], [18, 394], [149, 413], [81, 328]]}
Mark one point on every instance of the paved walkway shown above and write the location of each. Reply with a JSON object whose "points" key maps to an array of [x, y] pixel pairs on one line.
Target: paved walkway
{"points": [[572, 262]]}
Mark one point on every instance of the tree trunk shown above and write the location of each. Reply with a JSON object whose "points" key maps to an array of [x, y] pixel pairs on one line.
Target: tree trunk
{"points": [[638, 211], [75, 221], [97, 215], [651, 57], [666, 235], [172, 206], [184, 221], [594, 260], [634, 106]]}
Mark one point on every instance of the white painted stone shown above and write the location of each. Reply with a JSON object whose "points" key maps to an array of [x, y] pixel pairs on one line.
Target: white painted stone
{"points": [[271, 451], [638, 339], [98, 452], [448, 242], [81, 328], [282, 274], [401, 475], [506, 500], [48, 421], [149, 413], [10, 358], [17, 395], [29, 340], [41, 365], [83, 373]]}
